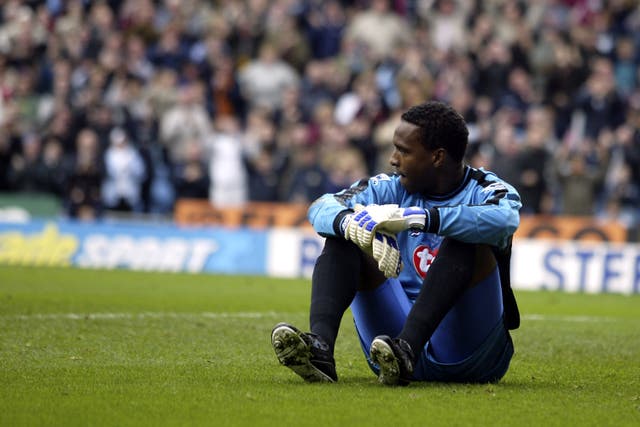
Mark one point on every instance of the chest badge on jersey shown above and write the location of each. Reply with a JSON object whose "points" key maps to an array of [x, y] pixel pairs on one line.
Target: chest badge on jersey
{"points": [[423, 256]]}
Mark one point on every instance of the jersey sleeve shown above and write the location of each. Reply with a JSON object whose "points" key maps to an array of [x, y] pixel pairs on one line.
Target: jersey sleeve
{"points": [[491, 218], [322, 214]]}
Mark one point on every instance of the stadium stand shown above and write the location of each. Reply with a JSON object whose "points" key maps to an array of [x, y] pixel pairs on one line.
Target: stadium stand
{"points": [[244, 101]]}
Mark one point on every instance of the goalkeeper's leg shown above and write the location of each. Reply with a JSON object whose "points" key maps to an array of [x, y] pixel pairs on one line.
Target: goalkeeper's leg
{"points": [[465, 283], [463, 279], [340, 271]]}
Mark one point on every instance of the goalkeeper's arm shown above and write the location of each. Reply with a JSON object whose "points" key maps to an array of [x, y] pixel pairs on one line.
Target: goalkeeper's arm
{"points": [[360, 225]]}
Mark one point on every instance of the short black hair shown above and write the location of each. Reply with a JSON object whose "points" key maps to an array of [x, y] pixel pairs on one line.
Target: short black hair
{"points": [[441, 126]]}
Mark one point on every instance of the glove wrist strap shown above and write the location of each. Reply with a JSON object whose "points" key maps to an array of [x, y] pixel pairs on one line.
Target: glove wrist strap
{"points": [[341, 221], [432, 221]]}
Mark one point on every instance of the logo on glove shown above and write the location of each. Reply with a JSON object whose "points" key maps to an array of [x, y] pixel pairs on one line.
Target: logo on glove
{"points": [[423, 256]]}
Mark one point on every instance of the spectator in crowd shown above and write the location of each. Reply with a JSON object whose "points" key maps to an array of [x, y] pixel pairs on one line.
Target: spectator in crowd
{"points": [[191, 176], [580, 177], [519, 96], [225, 148], [137, 63], [482, 120], [124, 174], [6, 153], [493, 65], [377, 30], [308, 179], [53, 167], [626, 66], [186, 120], [224, 97], [357, 111], [622, 187], [347, 167], [162, 93], [447, 22], [83, 196], [266, 157], [260, 131], [169, 51], [506, 152], [282, 31], [25, 172], [533, 162], [61, 125], [326, 27], [263, 79], [315, 86], [562, 78], [157, 191], [264, 175], [599, 101]]}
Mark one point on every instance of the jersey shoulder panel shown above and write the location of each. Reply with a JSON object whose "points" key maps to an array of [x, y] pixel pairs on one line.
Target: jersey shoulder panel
{"points": [[490, 189]]}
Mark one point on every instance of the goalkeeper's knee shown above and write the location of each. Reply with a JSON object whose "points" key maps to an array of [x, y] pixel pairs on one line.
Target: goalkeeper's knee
{"points": [[344, 249]]}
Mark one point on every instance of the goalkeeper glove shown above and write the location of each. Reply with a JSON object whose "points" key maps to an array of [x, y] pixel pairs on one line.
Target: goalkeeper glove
{"points": [[400, 219], [360, 226], [384, 250]]}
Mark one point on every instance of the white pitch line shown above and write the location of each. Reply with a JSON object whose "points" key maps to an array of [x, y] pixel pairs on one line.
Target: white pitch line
{"points": [[244, 315], [561, 318], [142, 315]]}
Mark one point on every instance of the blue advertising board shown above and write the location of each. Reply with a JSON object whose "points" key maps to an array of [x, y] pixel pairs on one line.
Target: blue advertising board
{"points": [[133, 246]]}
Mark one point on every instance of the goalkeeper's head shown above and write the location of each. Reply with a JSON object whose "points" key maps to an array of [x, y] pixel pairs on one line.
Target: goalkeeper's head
{"points": [[441, 127], [430, 145]]}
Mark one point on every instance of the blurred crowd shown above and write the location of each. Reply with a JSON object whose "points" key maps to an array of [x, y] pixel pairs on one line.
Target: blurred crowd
{"points": [[128, 105]]}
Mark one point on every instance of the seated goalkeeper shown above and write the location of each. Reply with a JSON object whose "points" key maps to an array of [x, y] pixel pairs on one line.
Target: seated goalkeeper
{"points": [[421, 257]]}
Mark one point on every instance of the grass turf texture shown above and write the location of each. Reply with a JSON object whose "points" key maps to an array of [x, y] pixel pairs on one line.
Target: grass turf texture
{"points": [[146, 349]]}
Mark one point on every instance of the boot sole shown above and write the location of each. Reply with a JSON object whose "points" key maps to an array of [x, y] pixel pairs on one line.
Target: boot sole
{"points": [[382, 355], [294, 353]]}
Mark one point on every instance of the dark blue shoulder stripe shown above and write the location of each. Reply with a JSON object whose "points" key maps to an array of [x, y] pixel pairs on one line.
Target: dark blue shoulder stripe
{"points": [[480, 176], [350, 192]]}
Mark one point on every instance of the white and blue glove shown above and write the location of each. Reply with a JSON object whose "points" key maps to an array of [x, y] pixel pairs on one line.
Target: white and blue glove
{"points": [[361, 226], [373, 229], [384, 250], [400, 219]]}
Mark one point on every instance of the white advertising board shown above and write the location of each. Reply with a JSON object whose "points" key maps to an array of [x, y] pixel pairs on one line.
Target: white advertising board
{"points": [[562, 265]]}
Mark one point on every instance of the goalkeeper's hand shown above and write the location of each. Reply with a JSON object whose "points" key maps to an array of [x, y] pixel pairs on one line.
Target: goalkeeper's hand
{"points": [[384, 250], [361, 226], [401, 219]]}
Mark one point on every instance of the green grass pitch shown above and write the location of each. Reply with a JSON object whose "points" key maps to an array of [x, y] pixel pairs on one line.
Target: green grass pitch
{"points": [[117, 348]]}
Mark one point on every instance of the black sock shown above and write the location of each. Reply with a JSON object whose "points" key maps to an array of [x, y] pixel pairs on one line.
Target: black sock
{"points": [[333, 286], [448, 277]]}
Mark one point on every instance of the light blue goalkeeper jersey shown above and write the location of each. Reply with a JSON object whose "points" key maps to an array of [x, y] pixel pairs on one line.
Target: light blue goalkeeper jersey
{"points": [[484, 209]]}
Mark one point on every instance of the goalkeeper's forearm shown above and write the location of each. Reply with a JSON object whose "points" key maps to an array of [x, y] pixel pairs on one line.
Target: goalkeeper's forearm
{"points": [[412, 218]]}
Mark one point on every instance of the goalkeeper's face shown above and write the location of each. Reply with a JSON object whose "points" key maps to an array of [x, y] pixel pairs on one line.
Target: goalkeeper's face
{"points": [[416, 165]]}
